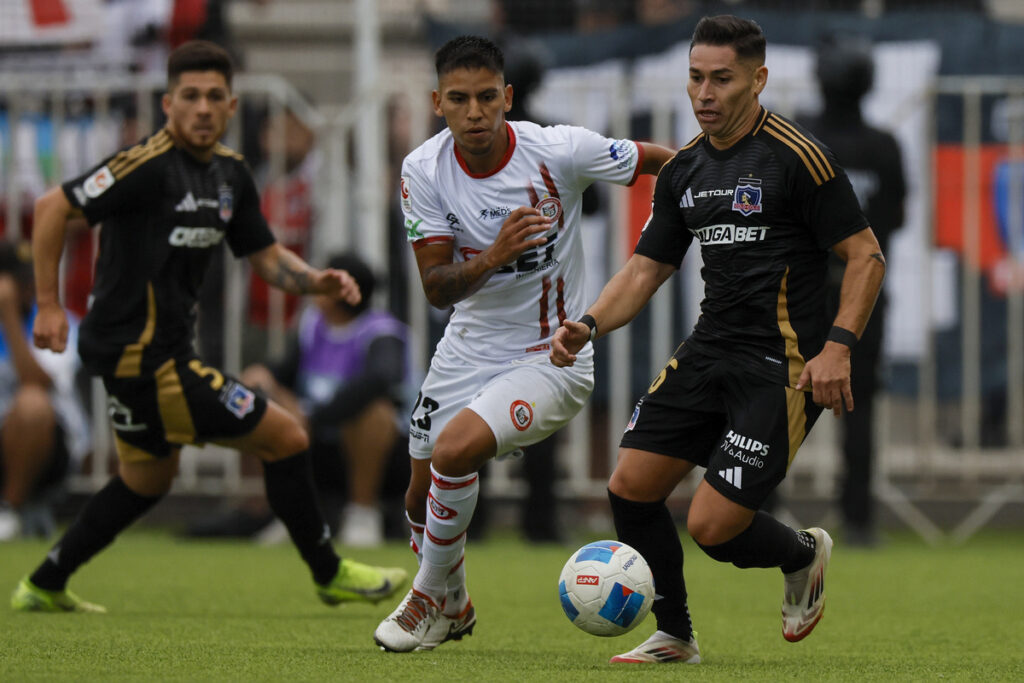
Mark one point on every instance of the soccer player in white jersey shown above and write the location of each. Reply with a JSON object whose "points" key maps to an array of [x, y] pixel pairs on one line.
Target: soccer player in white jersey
{"points": [[492, 209]]}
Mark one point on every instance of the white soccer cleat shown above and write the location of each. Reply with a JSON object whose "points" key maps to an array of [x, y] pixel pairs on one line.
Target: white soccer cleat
{"points": [[661, 648], [804, 601], [406, 628], [450, 627]]}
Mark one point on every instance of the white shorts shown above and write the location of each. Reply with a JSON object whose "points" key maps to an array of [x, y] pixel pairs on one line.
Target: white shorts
{"points": [[523, 401]]}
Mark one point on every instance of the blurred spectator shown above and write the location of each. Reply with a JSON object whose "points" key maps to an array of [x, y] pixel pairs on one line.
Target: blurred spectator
{"points": [[872, 159], [44, 433], [346, 378]]}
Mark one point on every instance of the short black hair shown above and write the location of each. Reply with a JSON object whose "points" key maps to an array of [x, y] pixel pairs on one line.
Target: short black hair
{"points": [[198, 55], [469, 52], [742, 35], [361, 273]]}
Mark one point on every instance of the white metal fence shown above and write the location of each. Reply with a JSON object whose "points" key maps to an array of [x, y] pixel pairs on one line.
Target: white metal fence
{"points": [[915, 460]]}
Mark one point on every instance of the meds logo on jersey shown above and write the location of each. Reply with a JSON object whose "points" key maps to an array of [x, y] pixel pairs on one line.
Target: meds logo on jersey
{"points": [[225, 203], [747, 196], [98, 183], [522, 414], [238, 399], [403, 191], [550, 208]]}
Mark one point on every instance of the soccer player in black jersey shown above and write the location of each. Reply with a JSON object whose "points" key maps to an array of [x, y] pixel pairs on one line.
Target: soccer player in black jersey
{"points": [[164, 204], [766, 201]]}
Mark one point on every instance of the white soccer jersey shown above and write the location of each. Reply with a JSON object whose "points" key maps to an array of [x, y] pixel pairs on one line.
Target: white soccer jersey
{"points": [[519, 308]]}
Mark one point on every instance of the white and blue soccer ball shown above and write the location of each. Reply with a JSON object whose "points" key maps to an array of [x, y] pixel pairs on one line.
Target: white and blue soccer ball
{"points": [[606, 588]]}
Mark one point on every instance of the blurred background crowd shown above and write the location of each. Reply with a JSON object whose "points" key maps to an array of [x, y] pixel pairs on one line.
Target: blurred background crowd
{"points": [[335, 92]]}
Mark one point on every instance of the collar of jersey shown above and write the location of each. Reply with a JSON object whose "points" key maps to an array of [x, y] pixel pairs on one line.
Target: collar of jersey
{"points": [[501, 164], [728, 152]]}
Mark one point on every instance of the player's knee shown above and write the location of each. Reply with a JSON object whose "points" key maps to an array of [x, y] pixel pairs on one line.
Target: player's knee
{"points": [[706, 530], [32, 404]]}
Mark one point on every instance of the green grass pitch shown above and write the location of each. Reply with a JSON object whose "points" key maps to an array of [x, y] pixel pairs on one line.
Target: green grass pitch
{"points": [[219, 611]]}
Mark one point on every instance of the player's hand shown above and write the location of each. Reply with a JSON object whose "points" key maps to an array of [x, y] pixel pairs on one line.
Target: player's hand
{"points": [[828, 375], [50, 330], [338, 284], [518, 233], [569, 338]]}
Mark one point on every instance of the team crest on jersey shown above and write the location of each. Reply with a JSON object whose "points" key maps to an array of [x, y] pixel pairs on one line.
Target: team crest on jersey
{"points": [[238, 399], [747, 196], [550, 208], [403, 190], [98, 183], [522, 414], [225, 202]]}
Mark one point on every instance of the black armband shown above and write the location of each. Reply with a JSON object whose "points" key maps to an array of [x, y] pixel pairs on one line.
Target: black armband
{"points": [[589, 321], [841, 335]]}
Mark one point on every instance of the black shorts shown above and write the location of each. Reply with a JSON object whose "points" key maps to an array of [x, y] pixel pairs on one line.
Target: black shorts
{"points": [[182, 402], [742, 427], [56, 469]]}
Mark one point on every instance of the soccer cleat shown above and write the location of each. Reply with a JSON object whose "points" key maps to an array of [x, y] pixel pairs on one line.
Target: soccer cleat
{"points": [[28, 597], [804, 599], [358, 581], [407, 627], [448, 628], [661, 648]]}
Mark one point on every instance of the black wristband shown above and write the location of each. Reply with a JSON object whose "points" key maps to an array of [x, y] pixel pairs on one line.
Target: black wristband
{"points": [[589, 321], [841, 335]]}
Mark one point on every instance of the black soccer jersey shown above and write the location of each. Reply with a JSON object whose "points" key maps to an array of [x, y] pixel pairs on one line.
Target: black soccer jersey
{"points": [[163, 212], [765, 212]]}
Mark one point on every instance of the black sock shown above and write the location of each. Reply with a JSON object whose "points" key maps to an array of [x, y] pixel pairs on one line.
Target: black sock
{"points": [[649, 529], [109, 512], [292, 497], [767, 542]]}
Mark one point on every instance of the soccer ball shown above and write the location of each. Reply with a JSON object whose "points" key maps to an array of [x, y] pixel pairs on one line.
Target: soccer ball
{"points": [[606, 588]]}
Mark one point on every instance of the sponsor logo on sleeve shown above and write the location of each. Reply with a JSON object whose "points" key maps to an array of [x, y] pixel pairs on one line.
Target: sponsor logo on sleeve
{"points": [[404, 192], [622, 151], [98, 183]]}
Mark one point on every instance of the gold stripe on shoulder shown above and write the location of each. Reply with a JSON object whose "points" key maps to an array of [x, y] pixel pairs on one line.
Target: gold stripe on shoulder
{"points": [[760, 122], [692, 142], [815, 152], [127, 161], [226, 151], [799, 152]]}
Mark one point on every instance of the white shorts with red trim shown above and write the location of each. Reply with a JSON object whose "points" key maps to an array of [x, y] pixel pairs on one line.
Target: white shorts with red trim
{"points": [[522, 401]]}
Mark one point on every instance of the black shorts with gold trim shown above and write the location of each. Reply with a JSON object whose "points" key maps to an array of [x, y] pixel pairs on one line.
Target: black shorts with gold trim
{"points": [[744, 428], [182, 402]]}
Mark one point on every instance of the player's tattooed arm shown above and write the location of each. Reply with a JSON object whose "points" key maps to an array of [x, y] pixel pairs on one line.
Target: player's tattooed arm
{"points": [[448, 283], [878, 257], [283, 269]]}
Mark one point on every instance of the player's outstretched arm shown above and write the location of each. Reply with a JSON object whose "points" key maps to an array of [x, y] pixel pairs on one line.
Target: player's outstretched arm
{"points": [[655, 156], [828, 373], [284, 269], [446, 282], [622, 298], [49, 228]]}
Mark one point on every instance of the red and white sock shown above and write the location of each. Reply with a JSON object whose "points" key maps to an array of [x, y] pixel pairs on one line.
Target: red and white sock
{"points": [[456, 595], [450, 506]]}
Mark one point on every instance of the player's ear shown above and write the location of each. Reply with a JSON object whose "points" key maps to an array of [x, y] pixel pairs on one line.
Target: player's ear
{"points": [[760, 79], [508, 97], [165, 103], [435, 96]]}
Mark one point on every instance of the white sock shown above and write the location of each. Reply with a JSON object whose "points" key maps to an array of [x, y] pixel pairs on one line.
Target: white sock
{"points": [[456, 596], [450, 507], [415, 537]]}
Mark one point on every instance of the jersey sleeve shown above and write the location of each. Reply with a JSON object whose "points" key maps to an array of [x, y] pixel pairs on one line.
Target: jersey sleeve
{"points": [[665, 237], [115, 185], [248, 231], [425, 222], [596, 157], [828, 203]]}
